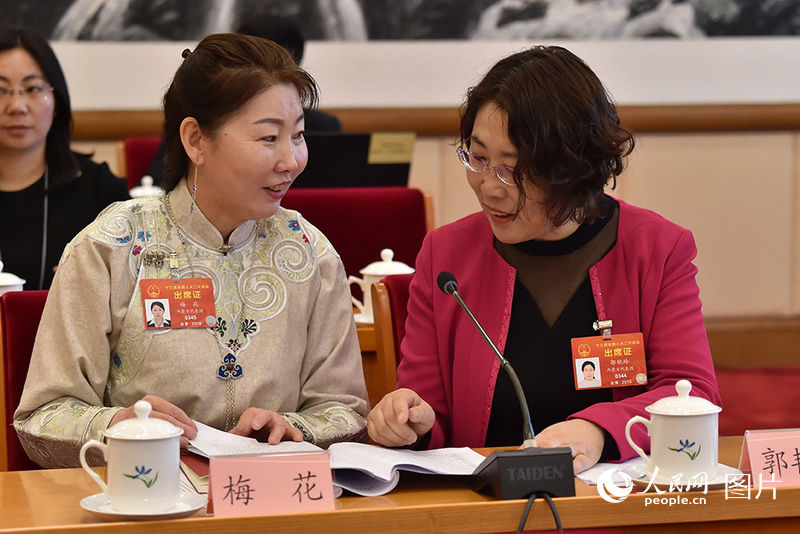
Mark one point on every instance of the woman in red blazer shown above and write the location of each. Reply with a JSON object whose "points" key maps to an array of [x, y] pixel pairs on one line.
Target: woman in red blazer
{"points": [[548, 255]]}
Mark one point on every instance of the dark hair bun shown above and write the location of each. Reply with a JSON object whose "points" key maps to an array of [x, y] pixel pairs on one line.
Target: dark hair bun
{"points": [[215, 80]]}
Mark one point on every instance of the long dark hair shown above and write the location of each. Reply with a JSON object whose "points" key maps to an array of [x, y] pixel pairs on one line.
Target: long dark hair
{"points": [[223, 73], [563, 124], [61, 161]]}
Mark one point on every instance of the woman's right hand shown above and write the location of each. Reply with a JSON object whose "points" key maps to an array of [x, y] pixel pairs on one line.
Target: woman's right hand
{"points": [[400, 418], [165, 410]]}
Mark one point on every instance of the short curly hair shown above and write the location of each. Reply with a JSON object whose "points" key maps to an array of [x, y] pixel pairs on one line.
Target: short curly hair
{"points": [[562, 122]]}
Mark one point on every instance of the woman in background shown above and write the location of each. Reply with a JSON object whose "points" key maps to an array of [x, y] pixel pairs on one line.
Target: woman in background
{"points": [[279, 357], [48, 193]]}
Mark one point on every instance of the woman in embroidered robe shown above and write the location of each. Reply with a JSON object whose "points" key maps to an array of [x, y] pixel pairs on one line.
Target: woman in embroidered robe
{"points": [[281, 360], [548, 255]]}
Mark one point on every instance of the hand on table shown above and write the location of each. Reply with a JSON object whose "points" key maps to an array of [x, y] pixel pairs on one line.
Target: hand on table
{"points": [[266, 425], [400, 418], [585, 438], [162, 409]]}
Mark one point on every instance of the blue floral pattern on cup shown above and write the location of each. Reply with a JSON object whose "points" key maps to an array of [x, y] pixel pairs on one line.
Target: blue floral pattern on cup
{"points": [[141, 473], [686, 447]]}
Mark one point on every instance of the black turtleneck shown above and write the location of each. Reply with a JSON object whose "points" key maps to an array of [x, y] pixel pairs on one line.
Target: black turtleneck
{"points": [[552, 304], [71, 206]]}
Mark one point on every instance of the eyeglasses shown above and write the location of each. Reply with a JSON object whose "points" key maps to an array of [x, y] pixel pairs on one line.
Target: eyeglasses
{"points": [[34, 93], [477, 163]]}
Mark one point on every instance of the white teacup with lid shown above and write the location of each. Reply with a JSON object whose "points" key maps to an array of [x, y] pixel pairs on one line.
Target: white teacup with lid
{"points": [[9, 282], [146, 189], [372, 273], [143, 457], [684, 434]]}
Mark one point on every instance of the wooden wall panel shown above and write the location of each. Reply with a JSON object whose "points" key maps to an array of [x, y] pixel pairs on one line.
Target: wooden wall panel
{"points": [[755, 341], [729, 173], [734, 192], [116, 124]]}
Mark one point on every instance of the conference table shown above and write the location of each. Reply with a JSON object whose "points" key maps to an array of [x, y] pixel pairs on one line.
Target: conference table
{"points": [[47, 501]]}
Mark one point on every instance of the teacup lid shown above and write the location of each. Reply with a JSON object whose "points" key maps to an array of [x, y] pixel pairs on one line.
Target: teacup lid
{"points": [[146, 189], [142, 426], [683, 403], [8, 279], [386, 266]]}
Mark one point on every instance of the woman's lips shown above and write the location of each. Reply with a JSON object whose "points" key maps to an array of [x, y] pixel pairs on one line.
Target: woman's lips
{"points": [[18, 129], [498, 216], [276, 192]]}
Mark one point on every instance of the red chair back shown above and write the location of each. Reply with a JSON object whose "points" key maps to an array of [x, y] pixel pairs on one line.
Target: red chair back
{"points": [[361, 221], [756, 398], [397, 288], [139, 154], [20, 313]]}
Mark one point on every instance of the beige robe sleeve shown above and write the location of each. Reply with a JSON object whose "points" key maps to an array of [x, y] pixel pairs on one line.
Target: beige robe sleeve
{"points": [[62, 404], [333, 405]]}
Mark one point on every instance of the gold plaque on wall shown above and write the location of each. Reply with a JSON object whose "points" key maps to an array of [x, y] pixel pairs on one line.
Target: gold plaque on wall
{"points": [[391, 147]]}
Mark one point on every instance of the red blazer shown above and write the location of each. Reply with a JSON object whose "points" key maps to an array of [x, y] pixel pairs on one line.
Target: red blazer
{"points": [[648, 285]]}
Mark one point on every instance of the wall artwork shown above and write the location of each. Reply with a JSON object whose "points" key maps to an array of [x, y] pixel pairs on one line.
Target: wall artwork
{"points": [[361, 20]]}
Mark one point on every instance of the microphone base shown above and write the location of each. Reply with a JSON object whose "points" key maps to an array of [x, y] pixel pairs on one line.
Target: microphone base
{"points": [[519, 473]]}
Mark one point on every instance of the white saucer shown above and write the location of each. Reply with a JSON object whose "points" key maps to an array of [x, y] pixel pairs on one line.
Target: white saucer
{"points": [[641, 478], [188, 503]]}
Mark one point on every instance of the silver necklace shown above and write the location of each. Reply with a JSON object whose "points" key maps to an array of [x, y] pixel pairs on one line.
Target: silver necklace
{"points": [[44, 226], [230, 369], [225, 249], [45, 203]]}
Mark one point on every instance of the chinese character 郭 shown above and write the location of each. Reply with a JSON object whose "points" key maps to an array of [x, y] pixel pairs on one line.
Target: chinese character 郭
{"points": [[774, 461]]}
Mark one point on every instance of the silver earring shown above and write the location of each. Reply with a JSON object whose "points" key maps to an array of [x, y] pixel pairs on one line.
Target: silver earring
{"points": [[194, 192]]}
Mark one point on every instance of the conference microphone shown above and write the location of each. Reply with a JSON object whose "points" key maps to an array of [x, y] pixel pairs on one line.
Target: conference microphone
{"points": [[520, 473], [447, 283]]}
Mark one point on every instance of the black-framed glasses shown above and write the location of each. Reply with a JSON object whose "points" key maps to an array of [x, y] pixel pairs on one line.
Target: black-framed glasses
{"points": [[476, 163]]}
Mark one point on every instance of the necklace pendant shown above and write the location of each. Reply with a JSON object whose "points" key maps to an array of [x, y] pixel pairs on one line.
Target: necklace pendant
{"points": [[173, 264], [154, 258], [229, 368], [226, 248]]}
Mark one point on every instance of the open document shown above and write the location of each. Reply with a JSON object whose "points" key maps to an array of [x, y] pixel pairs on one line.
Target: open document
{"points": [[358, 467], [212, 442], [370, 470]]}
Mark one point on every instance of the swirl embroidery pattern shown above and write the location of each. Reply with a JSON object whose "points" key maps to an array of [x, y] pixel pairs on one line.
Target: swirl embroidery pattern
{"points": [[249, 284]]}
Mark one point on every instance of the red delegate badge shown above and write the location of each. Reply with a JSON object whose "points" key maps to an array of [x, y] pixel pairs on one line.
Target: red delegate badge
{"points": [[178, 303], [609, 363]]}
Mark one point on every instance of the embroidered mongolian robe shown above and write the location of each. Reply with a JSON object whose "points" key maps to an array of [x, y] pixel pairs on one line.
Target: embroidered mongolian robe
{"points": [[284, 316]]}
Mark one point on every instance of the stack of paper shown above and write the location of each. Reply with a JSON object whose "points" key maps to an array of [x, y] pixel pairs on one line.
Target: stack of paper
{"points": [[212, 442], [358, 467], [370, 470]]}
